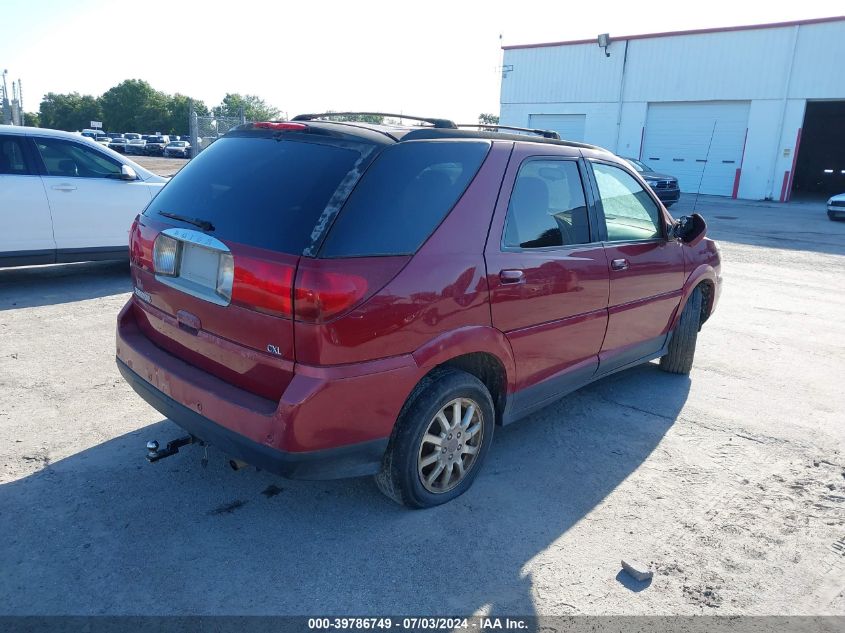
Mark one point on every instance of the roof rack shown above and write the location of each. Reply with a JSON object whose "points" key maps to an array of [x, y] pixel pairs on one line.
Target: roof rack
{"points": [[439, 123], [544, 133]]}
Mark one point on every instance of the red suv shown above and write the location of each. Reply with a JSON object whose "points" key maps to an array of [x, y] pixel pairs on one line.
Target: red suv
{"points": [[334, 299]]}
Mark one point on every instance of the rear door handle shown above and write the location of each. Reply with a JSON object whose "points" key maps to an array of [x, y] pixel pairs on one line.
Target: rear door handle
{"points": [[64, 187], [619, 264], [511, 276]]}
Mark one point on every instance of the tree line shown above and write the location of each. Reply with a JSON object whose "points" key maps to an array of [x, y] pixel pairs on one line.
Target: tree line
{"points": [[134, 105]]}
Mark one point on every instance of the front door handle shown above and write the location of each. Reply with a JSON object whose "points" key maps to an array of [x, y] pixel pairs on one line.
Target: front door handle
{"points": [[511, 276], [619, 264], [64, 187]]}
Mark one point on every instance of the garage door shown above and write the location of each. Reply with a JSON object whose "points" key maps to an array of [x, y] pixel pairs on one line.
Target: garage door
{"points": [[678, 135], [569, 126]]}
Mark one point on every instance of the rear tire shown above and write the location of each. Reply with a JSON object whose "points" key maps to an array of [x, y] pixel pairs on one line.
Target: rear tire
{"points": [[441, 438], [681, 352]]}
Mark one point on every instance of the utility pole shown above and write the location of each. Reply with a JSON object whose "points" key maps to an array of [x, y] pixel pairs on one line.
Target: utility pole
{"points": [[7, 112]]}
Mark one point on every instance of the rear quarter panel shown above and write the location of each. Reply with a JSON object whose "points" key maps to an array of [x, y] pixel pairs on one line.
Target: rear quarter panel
{"points": [[441, 289]]}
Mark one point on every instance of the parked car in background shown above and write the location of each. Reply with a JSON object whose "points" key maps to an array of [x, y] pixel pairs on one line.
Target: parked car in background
{"points": [[178, 149], [666, 187], [103, 140], [130, 136], [65, 198], [118, 145], [114, 135], [836, 207], [136, 146], [441, 280], [155, 145]]}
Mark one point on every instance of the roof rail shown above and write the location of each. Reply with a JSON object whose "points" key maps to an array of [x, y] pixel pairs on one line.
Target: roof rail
{"points": [[440, 123], [544, 133]]}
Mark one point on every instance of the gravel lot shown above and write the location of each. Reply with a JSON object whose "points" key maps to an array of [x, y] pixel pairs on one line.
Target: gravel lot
{"points": [[730, 482], [160, 165]]}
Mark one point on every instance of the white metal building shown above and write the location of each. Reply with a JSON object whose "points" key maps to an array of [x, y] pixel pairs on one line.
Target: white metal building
{"points": [[751, 112]]}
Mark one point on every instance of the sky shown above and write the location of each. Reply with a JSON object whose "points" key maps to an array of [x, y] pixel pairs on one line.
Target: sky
{"points": [[430, 58]]}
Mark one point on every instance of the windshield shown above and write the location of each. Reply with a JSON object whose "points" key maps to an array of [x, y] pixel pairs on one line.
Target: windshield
{"points": [[137, 141], [177, 144], [155, 139], [119, 140], [259, 191]]}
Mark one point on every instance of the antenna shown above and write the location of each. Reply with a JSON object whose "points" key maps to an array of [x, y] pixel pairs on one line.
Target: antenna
{"points": [[706, 160]]}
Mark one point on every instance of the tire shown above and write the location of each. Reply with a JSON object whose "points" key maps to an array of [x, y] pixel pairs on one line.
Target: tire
{"points": [[681, 352], [404, 468]]}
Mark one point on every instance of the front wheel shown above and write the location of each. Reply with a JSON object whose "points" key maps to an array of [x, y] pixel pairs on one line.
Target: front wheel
{"points": [[441, 438], [678, 360]]}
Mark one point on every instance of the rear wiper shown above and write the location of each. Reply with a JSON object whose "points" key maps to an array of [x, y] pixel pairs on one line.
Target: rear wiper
{"points": [[205, 225]]}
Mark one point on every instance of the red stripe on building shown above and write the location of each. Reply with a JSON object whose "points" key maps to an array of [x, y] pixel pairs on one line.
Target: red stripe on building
{"points": [[644, 36], [784, 186], [642, 138], [739, 170]]}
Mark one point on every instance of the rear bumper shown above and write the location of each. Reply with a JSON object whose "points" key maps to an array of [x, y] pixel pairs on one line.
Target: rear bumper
{"points": [[346, 461], [331, 422]]}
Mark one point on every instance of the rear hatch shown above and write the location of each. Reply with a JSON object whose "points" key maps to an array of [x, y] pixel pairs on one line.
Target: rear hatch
{"points": [[215, 255]]}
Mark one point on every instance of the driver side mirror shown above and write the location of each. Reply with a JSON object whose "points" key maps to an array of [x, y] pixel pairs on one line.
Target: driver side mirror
{"points": [[690, 229], [127, 173]]}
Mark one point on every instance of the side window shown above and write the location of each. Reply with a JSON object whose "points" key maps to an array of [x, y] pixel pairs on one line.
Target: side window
{"points": [[72, 160], [402, 198], [547, 206], [629, 212], [12, 160]]}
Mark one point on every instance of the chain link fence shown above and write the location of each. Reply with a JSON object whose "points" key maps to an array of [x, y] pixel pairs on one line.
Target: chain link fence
{"points": [[207, 129]]}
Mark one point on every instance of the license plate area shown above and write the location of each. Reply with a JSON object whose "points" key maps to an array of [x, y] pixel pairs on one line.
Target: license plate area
{"points": [[200, 257], [199, 265]]}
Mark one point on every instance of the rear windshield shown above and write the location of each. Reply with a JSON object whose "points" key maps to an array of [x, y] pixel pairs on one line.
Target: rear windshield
{"points": [[258, 191], [403, 197]]}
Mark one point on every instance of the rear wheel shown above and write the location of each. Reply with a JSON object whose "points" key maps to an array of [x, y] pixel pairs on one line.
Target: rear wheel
{"points": [[441, 438], [678, 359]]}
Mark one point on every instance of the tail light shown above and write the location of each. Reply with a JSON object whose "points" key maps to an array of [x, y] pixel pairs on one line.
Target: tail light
{"points": [[326, 288], [141, 244], [268, 286], [263, 285], [321, 295], [166, 255], [280, 125]]}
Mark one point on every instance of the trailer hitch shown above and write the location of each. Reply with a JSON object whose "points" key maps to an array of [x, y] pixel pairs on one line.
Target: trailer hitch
{"points": [[154, 453]]}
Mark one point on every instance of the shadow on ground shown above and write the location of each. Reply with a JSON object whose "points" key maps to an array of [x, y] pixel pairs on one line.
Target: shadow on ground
{"points": [[34, 286], [102, 531]]}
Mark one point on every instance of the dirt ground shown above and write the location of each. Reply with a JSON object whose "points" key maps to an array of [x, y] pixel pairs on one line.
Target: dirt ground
{"points": [[730, 483], [160, 165]]}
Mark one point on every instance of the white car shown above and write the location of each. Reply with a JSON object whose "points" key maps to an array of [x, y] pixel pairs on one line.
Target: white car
{"points": [[836, 207], [65, 198]]}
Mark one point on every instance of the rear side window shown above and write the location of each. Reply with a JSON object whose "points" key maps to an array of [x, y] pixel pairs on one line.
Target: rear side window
{"points": [[258, 191], [547, 206], [403, 197]]}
